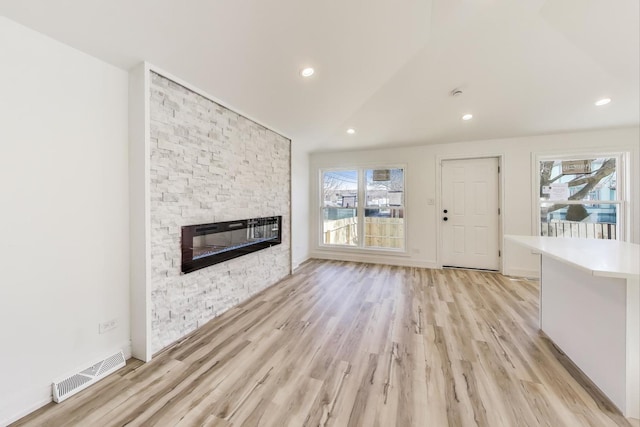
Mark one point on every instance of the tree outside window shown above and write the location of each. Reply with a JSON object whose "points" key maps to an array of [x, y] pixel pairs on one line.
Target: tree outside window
{"points": [[579, 198]]}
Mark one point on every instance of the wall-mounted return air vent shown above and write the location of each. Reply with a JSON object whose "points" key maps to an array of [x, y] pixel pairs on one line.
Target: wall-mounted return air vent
{"points": [[75, 383]]}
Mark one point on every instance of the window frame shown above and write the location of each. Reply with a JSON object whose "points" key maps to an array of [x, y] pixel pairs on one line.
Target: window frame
{"points": [[322, 207], [360, 210], [622, 179]]}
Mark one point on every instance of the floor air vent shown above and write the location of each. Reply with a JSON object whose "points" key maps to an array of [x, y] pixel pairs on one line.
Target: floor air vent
{"points": [[71, 385]]}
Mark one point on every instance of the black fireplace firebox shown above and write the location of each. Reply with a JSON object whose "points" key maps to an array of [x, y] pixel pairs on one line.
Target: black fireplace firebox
{"points": [[207, 244]]}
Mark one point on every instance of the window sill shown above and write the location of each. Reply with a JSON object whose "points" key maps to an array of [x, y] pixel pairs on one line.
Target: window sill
{"points": [[359, 250]]}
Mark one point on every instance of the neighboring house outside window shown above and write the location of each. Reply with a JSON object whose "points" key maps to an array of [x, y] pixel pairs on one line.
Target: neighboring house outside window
{"points": [[581, 196], [378, 223]]}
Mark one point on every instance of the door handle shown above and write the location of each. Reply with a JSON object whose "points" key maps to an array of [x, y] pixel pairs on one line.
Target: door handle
{"points": [[445, 218], [445, 211]]}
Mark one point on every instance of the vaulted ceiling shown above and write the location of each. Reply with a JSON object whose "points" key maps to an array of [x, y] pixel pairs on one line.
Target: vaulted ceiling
{"points": [[385, 68]]}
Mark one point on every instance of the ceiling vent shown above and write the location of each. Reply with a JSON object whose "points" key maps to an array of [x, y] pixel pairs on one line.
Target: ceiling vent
{"points": [[75, 383]]}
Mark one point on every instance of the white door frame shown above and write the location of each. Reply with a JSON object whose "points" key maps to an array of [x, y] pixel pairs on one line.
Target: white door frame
{"points": [[439, 160]]}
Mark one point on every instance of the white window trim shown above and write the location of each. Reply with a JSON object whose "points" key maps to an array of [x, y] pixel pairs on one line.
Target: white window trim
{"points": [[622, 189], [360, 168]]}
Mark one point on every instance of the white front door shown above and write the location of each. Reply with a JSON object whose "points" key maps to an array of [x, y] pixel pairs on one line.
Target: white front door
{"points": [[469, 214]]}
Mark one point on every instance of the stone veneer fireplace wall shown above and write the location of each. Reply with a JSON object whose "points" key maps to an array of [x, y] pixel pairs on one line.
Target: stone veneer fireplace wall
{"points": [[209, 164]]}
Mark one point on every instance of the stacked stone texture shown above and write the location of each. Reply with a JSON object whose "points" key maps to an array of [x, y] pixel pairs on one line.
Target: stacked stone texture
{"points": [[209, 164]]}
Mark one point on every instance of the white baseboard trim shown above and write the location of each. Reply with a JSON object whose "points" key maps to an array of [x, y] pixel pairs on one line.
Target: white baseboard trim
{"points": [[374, 259], [39, 398], [518, 272], [127, 349], [298, 263]]}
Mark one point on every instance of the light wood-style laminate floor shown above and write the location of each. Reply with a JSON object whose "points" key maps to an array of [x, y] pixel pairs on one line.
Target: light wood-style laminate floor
{"points": [[349, 344]]}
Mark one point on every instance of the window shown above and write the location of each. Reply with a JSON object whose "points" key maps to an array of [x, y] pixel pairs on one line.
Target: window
{"points": [[340, 199], [580, 197], [376, 223]]}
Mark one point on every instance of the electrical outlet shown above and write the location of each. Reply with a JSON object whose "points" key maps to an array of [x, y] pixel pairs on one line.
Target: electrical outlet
{"points": [[107, 326]]}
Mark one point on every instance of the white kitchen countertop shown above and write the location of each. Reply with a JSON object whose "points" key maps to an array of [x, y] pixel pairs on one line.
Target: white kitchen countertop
{"points": [[607, 258]]}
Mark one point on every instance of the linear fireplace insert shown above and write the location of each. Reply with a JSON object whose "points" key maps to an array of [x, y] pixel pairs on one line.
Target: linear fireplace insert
{"points": [[207, 244]]}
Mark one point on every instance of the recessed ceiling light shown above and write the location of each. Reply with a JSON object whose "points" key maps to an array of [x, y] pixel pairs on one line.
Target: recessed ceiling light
{"points": [[307, 72], [603, 101], [467, 117], [351, 131]]}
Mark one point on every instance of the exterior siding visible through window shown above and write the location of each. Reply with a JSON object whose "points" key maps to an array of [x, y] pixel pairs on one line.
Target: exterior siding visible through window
{"points": [[581, 197]]}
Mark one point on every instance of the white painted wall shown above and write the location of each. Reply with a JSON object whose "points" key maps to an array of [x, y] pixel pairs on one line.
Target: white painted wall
{"points": [[139, 213], [64, 215], [421, 185], [299, 204]]}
